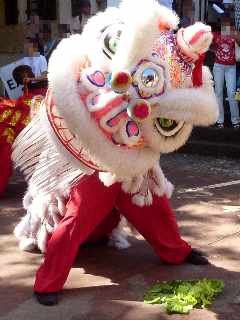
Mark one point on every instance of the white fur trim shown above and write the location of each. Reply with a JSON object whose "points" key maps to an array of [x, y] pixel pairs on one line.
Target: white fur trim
{"points": [[132, 185], [107, 178], [27, 244], [42, 238], [118, 238], [194, 106], [43, 216], [27, 200], [169, 189], [142, 200]]}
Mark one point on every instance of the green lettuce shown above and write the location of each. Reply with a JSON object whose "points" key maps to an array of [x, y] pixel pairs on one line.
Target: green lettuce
{"points": [[182, 296]]}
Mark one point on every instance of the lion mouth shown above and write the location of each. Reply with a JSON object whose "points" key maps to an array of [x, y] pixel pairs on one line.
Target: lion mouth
{"points": [[168, 127]]}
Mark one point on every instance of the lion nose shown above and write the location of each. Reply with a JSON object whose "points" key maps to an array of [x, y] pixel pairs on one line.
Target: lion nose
{"points": [[140, 110], [120, 81]]}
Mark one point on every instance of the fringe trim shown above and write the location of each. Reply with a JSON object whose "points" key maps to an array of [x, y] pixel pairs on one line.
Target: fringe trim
{"points": [[43, 167]]}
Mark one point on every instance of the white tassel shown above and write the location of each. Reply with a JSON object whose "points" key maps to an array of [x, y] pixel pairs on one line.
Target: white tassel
{"points": [[169, 189], [119, 237], [27, 244], [23, 227], [27, 200], [153, 183], [42, 238], [107, 178], [132, 185], [61, 205]]}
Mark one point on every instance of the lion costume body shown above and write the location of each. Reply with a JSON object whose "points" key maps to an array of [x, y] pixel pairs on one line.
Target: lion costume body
{"points": [[120, 94]]}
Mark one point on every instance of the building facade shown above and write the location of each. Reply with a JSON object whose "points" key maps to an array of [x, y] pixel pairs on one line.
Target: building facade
{"points": [[14, 16]]}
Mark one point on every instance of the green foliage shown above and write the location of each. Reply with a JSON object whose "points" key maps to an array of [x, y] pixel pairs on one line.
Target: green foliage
{"points": [[182, 296]]}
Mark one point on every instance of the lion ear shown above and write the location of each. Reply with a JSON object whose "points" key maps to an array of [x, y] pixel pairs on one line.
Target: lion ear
{"points": [[195, 39]]}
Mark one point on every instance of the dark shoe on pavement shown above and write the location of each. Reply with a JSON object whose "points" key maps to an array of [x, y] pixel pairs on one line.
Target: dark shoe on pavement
{"points": [[47, 298], [219, 125], [196, 258], [236, 126], [199, 252]]}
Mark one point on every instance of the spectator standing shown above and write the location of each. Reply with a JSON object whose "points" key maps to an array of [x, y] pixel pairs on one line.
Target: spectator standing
{"points": [[37, 81], [225, 70], [102, 4], [237, 14], [48, 43], [81, 17], [32, 28], [33, 25], [34, 59]]}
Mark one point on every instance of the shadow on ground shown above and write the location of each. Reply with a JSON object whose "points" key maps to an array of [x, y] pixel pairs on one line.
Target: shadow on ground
{"points": [[108, 284]]}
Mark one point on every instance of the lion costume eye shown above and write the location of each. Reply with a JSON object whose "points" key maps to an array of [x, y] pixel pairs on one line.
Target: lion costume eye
{"points": [[113, 44], [111, 37], [168, 127], [150, 78]]}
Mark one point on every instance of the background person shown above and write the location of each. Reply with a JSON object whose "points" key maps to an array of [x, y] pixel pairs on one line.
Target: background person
{"points": [[82, 14], [224, 69]]}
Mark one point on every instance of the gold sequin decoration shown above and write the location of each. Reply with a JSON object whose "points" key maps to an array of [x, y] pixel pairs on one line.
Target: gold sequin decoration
{"points": [[9, 133], [28, 102], [26, 120], [6, 114], [15, 118]]}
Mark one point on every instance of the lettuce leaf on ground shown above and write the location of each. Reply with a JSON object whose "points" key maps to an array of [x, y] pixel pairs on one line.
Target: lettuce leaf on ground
{"points": [[181, 296]]}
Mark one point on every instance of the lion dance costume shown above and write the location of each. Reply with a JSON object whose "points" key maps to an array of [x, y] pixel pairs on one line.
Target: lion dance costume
{"points": [[14, 117], [120, 94]]}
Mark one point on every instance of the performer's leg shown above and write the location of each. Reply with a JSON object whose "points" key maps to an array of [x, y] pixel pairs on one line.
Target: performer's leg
{"points": [[90, 202], [105, 228], [158, 226]]}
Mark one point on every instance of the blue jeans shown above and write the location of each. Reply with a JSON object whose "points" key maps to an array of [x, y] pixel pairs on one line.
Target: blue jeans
{"points": [[221, 72]]}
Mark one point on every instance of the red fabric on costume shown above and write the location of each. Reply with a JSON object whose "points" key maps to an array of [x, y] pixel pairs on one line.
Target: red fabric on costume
{"points": [[89, 205], [13, 119], [5, 166], [197, 72], [14, 116]]}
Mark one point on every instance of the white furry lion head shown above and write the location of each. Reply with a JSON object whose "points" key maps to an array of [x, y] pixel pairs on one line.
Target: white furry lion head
{"points": [[122, 92]]}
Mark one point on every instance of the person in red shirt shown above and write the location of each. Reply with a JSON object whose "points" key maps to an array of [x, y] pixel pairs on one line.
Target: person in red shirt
{"points": [[225, 69]]}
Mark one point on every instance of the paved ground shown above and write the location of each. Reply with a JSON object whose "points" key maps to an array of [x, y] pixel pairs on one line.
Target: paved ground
{"points": [[109, 284]]}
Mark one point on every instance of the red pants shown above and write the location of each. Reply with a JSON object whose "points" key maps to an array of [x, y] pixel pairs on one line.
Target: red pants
{"points": [[88, 211]]}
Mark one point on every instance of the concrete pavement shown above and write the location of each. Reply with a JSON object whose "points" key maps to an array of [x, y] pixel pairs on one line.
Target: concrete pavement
{"points": [[214, 142], [107, 284]]}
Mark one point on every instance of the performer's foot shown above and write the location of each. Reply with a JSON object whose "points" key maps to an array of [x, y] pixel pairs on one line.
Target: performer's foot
{"points": [[92, 242], [47, 298], [199, 252], [196, 258]]}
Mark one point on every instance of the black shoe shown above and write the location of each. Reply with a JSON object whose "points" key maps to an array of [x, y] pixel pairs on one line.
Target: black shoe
{"points": [[199, 252], [236, 126], [47, 298], [219, 125], [195, 258], [101, 242]]}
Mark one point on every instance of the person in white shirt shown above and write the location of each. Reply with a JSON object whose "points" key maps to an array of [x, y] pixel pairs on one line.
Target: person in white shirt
{"points": [[33, 59], [81, 16]]}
